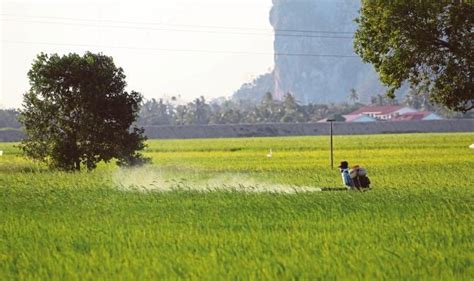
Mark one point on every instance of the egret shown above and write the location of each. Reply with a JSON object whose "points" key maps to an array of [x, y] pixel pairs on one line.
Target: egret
{"points": [[270, 154]]}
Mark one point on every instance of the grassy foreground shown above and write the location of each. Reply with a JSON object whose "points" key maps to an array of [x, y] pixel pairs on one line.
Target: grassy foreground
{"points": [[126, 224]]}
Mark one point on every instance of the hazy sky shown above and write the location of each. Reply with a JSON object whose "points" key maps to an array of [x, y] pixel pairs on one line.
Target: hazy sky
{"points": [[158, 43]]}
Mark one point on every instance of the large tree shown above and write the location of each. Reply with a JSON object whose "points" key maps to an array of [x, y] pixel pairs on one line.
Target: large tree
{"points": [[427, 43], [77, 113]]}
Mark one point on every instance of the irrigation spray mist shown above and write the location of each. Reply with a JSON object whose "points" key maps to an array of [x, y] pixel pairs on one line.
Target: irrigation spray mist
{"points": [[155, 179]]}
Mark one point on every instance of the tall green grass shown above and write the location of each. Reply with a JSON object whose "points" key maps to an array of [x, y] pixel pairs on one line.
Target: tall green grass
{"points": [[415, 224]]}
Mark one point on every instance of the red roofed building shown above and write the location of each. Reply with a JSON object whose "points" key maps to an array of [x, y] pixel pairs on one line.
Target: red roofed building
{"points": [[359, 118], [384, 112], [371, 113], [420, 115]]}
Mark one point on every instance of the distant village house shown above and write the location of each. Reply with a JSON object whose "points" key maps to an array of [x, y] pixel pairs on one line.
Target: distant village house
{"points": [[372, 113]]}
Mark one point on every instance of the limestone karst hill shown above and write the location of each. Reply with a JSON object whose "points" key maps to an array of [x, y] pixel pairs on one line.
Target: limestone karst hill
{"points": [[317, 79]]}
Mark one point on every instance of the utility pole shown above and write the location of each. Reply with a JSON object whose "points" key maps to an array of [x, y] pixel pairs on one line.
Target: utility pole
{"points": [[331, 142]]}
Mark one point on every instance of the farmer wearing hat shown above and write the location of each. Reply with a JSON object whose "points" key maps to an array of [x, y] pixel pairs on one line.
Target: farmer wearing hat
{"points": [[355, 178], [346, 178]]}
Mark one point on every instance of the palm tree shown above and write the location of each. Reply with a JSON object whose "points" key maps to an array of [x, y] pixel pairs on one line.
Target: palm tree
{"points": [[354, 96]]}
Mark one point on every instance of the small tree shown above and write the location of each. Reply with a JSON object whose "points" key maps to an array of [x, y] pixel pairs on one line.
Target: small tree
{"points": [[291, 110], [353, 95], [267, 109], [77, 112]]}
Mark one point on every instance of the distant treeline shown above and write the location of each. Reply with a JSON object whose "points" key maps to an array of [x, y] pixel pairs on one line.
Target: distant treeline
{"points": [[268, 110], [156, 112], [9, 118]]}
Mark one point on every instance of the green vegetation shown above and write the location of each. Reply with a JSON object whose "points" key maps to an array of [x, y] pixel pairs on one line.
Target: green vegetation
{"points": [[425, 43], [77, 113], [9, 119], [116, 223], [269, 110]]}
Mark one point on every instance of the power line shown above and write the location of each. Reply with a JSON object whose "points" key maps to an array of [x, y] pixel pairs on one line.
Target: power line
{"points": [[179, 30], [178, 50], [179, 25]]}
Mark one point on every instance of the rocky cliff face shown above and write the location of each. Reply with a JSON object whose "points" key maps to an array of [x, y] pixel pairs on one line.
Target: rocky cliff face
{"points": [[318, 79]]}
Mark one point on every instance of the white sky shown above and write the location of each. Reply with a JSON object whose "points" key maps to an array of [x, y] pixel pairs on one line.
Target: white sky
{"points": [[64, 26]]}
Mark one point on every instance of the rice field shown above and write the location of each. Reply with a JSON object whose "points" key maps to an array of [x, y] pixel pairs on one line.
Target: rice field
{"points": [[221, 209]]}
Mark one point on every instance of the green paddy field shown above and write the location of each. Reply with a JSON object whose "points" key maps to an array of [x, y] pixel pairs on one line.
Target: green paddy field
{"points": [[220, 209]]}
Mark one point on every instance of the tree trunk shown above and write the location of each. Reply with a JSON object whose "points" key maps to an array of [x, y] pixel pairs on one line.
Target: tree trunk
{"points": [[78, 165]]}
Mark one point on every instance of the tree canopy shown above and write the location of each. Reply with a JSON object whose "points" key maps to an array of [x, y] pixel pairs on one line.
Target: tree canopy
{"points": [[427, 43], [77, 113]]}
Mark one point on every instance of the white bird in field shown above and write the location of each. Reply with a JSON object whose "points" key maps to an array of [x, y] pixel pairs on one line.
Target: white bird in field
{"points": [[471, 146], [1, 152], [270, 154]]}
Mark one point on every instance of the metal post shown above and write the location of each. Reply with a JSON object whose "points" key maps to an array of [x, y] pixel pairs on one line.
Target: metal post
{"points": [[331, 143], [332, 158]]}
